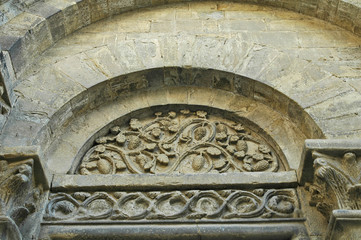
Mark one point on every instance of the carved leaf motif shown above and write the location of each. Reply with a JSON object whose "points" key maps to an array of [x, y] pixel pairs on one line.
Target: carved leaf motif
{"points": [[120, 165], [162, 158], [221, 136], [221, 128], [201, 114], [148, 165], [264, 149], [115, 130], [133, 142], [172, 114], [242, 146], [173, 128], [200, 133], [233, 139], [135, 124], [213, 151], [120, 139], [231, 149], [100, 149], [239, 128], [240, 154], [219, 164], [156, 132], [151, 146]]}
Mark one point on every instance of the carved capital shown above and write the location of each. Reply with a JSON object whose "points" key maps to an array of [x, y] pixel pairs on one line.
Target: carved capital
{"points": [[336, 180], [21, 193]]}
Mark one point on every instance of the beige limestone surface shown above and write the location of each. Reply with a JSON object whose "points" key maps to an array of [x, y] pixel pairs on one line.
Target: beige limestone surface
{"points": [[310, 61]]}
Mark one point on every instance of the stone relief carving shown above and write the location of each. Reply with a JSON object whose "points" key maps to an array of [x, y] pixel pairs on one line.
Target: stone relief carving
{"points": [[18, 195], [186, 205], [179, 142], [336, 183]]}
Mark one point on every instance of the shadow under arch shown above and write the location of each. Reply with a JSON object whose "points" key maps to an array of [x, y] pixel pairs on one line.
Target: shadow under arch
{"points": [[86, 114]]}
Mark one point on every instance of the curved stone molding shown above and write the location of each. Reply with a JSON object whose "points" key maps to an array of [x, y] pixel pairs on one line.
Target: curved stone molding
{"points": [[182, 141], [176, 205], [43, 24]]}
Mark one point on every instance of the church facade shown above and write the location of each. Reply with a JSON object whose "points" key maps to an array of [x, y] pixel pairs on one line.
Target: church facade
{"points": [[154, 119]]}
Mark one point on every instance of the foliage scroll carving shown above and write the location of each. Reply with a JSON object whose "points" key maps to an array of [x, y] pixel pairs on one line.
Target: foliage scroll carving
{"points": [[181, 141], [173, 205]]}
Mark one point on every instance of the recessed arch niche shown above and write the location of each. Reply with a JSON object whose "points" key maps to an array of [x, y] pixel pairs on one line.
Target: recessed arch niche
{"points": [[198, 146], [273, 115]]}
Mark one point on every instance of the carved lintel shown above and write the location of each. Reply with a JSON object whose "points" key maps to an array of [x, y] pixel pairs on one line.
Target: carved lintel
{"points": [[191, 205]]}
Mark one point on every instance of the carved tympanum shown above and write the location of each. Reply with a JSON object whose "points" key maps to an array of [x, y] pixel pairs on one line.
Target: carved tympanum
{"points": [[336, 183], [179, 142], [186, 205]]}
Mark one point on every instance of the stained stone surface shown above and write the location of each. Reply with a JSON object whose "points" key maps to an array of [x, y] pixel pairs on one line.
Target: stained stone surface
{"points": [[84, 88], [309, 60]]}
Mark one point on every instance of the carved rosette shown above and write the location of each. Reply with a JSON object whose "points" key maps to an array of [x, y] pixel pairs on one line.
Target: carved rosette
{"points": [[179, 142], [336, 183], [175, 205]]}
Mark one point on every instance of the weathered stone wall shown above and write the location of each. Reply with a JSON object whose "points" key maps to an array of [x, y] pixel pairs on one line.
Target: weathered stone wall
{"points": [[31, 26], [32, 32], [310, 61], [293, 75]]}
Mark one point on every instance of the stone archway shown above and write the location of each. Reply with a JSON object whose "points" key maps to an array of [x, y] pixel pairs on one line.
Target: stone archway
{"points": [[283, 89], [169, 155]]}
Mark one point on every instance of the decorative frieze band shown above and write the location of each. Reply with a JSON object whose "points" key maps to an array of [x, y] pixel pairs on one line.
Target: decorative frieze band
{"points": [[173, 205]]}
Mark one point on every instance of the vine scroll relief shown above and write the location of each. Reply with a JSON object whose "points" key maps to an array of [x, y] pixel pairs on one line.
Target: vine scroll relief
{"points": [[181, 141], [174, 205]]}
